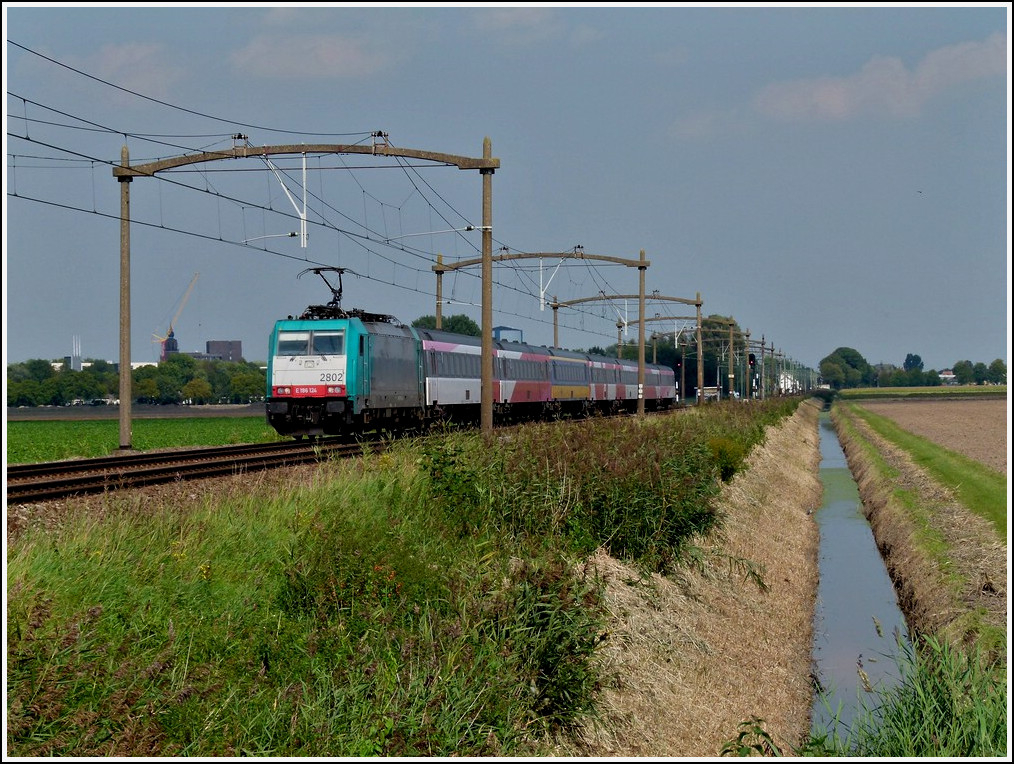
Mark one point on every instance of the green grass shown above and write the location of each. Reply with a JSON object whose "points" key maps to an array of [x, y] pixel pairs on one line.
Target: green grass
{"points": [[337, 621], [981, 489], [429, 601], [46, 441]]}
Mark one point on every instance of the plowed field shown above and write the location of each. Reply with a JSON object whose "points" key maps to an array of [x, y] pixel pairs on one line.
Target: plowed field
{"points": [[975, 428]]}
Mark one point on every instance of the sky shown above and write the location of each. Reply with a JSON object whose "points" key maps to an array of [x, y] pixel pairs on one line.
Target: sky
{"points": [[826, 175]]}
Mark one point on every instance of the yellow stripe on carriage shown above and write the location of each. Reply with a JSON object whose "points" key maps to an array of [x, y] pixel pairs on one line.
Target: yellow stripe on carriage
{"points": [[571, 392]]}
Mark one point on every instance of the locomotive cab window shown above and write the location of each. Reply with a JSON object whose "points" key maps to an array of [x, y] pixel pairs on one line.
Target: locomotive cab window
{"points": [[293, 343], [329, 343]]}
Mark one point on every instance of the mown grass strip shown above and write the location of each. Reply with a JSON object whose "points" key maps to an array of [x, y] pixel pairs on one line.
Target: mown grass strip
{"points": [[980, 489], [945, 391]]}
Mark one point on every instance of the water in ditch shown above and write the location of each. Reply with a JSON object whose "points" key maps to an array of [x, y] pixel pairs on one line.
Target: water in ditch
{"points": [[857, 621]]}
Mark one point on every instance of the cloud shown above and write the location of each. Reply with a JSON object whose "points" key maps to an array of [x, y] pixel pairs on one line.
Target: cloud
{"points": [[519, 26], [308, 56], [699, 125], [370, 50], [884, 85], [673, 56], [585, 35], [141, 67], [282, 16]]}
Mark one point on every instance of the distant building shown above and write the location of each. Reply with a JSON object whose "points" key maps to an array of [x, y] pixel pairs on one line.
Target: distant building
{"points": [[947, 377], [225, 350], [215, 350], [508, 334], [170, 345], [73, 363]]}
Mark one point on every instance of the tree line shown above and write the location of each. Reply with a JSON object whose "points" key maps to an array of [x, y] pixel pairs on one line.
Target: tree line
{"points": [[179, 379], [182, 378], [846, 368]]}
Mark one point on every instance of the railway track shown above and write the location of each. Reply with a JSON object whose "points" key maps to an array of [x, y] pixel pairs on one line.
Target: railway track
{"points": [[44, 481], [28, 483]]}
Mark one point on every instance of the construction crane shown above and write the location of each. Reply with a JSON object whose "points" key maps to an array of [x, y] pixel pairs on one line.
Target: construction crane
{"points": [[169, 345]]}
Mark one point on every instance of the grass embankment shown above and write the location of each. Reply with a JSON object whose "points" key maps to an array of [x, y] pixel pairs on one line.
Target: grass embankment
{"points": [[427, 602], [48, 441]]}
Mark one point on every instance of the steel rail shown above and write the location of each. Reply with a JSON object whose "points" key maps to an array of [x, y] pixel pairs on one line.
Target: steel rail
{"points": [[19, 471], [88, 476]]}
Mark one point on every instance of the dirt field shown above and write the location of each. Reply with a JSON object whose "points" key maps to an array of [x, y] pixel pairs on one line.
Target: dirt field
{"points": [[975, 428]]}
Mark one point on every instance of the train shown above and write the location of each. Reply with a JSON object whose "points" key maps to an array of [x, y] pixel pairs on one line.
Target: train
{"points": [[333, 371]]}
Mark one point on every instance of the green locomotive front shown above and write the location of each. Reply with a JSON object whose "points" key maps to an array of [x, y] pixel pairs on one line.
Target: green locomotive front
{"points": [[332, 376]]}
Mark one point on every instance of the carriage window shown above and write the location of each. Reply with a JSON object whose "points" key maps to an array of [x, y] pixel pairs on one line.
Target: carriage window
{"points": [[329, 343], [293, 343], [569, 372]]}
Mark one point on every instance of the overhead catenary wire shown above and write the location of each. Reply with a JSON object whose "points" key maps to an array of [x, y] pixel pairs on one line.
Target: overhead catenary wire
{"points": [[204, 172], [368, 240], [174, 106], [351, 235]]}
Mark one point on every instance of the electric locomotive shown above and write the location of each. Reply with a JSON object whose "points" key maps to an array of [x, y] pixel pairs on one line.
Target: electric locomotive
{"points": [[332, 371]]}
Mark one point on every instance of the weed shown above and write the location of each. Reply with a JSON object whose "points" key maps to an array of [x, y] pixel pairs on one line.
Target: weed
{"points": [[728, 455], [752, 739]]}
